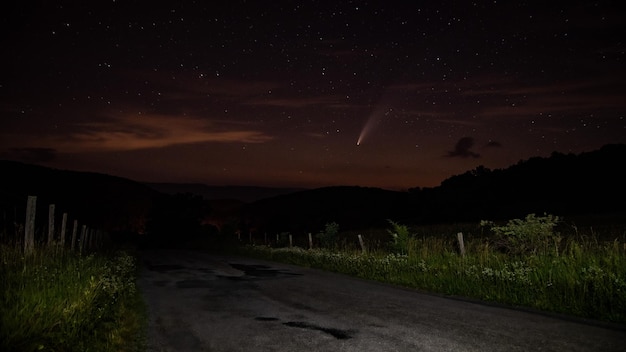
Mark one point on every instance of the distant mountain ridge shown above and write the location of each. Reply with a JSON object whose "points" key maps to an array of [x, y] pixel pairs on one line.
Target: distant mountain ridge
{"points": [[245, 194], [350, 206], [562, 184], [101, 201]]}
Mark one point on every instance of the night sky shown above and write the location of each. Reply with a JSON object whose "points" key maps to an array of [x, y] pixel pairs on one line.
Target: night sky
{"points": [[308, 94]]}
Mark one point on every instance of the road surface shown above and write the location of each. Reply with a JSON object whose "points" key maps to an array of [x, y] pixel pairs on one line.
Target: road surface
{"points": [[200, 302]]}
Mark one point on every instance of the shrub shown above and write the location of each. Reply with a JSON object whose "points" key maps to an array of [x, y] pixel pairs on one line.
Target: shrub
{"points": [[328, 237], [528, 236], [399, 242]]}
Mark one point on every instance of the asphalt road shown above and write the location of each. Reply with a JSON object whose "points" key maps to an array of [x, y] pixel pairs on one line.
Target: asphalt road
{"points": [[200, 302]]}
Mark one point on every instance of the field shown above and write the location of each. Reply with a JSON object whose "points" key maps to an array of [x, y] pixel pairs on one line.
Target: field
{"points": [[58, 300], [537, 262]]}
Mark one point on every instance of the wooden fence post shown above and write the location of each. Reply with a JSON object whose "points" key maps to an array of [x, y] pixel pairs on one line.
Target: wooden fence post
{"points": [[290, 241], [363, 250], [74, 231], [459, 236], [29, 230], [63, 227], [50, 224], [310, 241], [81, 243]]}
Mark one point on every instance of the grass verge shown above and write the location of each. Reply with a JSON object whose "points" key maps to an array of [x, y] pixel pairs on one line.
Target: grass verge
{"points": [[55, 300], [577, 276]]}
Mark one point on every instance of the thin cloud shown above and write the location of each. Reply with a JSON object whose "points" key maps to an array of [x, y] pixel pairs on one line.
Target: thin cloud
{"points": [[186, 86], [533, 100], [293, 102], [462, 149], [154, 131], [458, 122]]}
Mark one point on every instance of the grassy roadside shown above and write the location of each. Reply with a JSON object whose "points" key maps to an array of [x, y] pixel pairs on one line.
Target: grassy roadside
{"points": [[525, 263], [55, 300]]}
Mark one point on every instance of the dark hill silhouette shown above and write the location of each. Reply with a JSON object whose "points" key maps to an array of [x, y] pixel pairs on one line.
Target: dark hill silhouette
{"points": [[225, 202], [590, 183], [562, 184], [101, 201], [244, 194], [308, 211]]}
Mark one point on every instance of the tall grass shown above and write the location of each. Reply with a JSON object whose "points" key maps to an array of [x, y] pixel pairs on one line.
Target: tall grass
{"points": [[576, 275], [55, 300]]}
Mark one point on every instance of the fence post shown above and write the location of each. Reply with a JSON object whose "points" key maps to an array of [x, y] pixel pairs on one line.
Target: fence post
{"points": [[50, 224], [290, 241], [74, 231], [310, 241], [363, 250], [63, 228], [459, 236], [81, 244], [29, 230]]}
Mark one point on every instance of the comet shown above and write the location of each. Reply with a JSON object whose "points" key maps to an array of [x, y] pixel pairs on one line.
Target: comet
{"points": [[371, 122]]}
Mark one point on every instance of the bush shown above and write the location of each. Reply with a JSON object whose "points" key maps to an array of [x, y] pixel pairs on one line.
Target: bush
{"points": [[400, 238], [328, 237], [528, 236]]}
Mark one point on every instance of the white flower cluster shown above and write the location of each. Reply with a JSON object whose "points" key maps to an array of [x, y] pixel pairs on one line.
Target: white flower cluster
{"points": [[118, 277], [353, 262], [516, 271]]}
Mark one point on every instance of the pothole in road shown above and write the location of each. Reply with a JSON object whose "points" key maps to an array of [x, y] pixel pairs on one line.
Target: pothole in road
{"points": [[261, 271], [336, 333]]}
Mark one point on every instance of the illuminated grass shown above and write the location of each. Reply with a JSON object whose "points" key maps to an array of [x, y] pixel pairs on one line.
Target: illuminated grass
{"points": [[582, 276], [60, 301]]}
